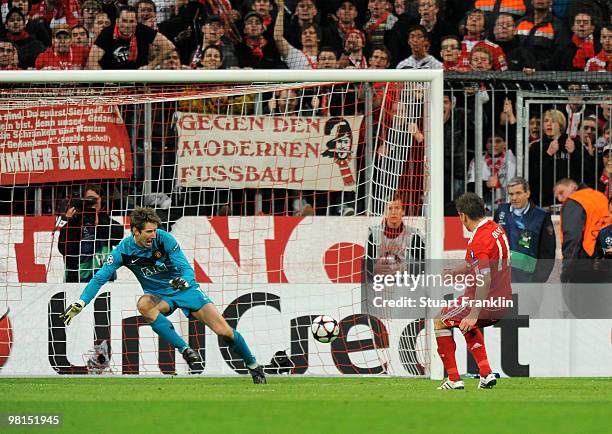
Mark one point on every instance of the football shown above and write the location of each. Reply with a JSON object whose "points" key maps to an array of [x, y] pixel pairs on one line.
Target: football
{"points": [[325, 329]]}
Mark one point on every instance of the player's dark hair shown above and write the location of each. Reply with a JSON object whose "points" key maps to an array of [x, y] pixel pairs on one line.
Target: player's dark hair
{"points": [[141, 216], [471, 205]]}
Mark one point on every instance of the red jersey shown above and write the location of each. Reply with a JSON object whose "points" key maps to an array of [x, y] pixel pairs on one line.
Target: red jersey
{"points": [[489, 252], [599, 63], [497, 53], [76, 58]]}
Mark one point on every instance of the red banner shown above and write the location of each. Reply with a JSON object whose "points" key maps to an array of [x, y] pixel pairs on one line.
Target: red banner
{"points": [[63, 143]]}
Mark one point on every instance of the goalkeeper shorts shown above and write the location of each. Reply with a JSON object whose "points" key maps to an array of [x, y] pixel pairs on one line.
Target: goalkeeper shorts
{"points": [[188, 300]]}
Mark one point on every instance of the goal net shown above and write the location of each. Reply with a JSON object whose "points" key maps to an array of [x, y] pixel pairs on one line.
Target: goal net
{"points": [[278, 189]]}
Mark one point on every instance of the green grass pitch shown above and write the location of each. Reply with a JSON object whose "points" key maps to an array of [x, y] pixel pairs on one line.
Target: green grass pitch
{"points": [[310, 405]]}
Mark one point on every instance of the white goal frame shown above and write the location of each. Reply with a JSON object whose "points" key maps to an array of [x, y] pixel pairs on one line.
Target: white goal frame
{"points": [[434, 128]]}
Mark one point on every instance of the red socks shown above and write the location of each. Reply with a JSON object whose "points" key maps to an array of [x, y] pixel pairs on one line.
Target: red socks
{"points": [[446, 350], [475, 344]]}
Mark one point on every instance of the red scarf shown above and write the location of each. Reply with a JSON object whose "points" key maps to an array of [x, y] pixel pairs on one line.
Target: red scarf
{"points": [[256, 46], [585, 51], [393, 232], [495, 168], [14, 37], [378, 22], [133, 55]]}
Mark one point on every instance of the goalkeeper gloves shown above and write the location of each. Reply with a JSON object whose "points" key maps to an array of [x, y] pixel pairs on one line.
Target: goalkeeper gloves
{"points": [[73, 310], [179, 283]]}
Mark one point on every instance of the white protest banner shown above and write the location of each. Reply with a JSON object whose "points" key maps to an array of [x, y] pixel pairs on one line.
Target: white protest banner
{"points": [[310, 153]]}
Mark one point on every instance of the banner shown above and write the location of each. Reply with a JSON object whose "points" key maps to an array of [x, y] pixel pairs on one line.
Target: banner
{"points": [[302, 153], [63, 143]]}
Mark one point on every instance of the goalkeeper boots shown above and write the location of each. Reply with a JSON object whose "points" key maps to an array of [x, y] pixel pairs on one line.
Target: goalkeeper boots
{"points": [[193, 359], [488, 381], [259, 377], [452, 385]]}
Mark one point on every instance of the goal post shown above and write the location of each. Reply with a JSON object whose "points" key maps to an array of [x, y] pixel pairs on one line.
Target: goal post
{"points": [[391, 161]]}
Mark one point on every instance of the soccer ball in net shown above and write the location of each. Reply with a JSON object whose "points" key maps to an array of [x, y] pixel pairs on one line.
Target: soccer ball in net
{"points": [[325, 329]]}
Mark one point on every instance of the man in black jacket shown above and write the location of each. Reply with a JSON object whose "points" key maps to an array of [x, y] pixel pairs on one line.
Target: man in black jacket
{"points": [[88, 235]]}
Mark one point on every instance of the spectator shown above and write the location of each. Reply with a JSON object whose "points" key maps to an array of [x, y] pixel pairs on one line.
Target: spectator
{"points": [[212, 57], [454, 155], [605, 138], [164, 9], [58, 12], [61, 55], [553, 158], [481, 59], [581, 47], [212, 34], [34, 23], [380, 22], [474, 28], [535, 127], [146, 13], [172, 61], [603, 60], [530, 232], [517, 57], [127, 45], [9, 61], [28, 48], [305, 14], [354, 56], [80, 37], [450, 51], [604, 183], [264, 8], [584, 213], [418, 39], [294, 58], [430, 18], [498, 167], [542, 33], [393, 246], [101, 22], [88, 235], [343, 21], [255, 50], [380, 58], [588, 136], [90, 10], [604, 114], [574, 109], [327, 58]]}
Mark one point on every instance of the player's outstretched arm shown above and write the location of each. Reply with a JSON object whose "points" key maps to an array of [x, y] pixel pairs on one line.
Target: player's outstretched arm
{"points": [[73, 310], [102, 276]]}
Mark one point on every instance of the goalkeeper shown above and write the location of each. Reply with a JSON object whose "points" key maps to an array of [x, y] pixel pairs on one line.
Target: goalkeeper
{"points": [[168, 282]]}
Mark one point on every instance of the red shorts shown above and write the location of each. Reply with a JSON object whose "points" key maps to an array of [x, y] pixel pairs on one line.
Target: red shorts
{"points": [[451, 316]]}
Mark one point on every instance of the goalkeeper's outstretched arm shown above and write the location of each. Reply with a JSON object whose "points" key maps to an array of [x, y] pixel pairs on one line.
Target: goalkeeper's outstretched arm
{"points": [[102, 276]]}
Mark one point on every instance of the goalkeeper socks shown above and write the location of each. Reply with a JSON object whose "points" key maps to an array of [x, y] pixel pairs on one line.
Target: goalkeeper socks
{"points": [[164, 328], [475, 343], [446, 350], [240, 347]]}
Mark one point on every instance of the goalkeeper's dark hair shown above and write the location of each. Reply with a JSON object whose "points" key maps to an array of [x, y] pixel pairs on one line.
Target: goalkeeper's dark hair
{"points": [[471, 205], [141, 216]]}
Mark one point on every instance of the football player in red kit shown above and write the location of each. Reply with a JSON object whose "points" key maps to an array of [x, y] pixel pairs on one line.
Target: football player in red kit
{"points": [[487, 297]]}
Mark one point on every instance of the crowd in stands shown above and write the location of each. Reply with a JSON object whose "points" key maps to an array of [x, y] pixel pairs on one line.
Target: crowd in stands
{"points": [[525, 36], [499, 35]]}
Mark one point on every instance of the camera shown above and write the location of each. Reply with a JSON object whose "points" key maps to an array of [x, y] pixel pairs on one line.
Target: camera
{"points": [[81, 204]]}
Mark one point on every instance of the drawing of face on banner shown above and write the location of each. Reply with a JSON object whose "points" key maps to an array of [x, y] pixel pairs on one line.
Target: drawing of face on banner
{"points": [[339, 146]]}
